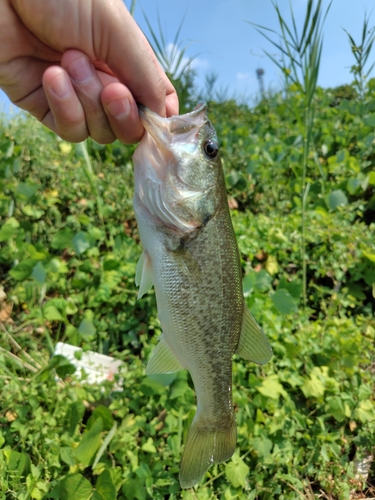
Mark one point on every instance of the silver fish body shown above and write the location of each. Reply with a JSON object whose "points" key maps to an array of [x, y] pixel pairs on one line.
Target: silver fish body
{"points": [[191, 257]]}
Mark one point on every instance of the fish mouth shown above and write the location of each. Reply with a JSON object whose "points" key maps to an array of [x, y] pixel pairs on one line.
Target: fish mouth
{"points": [[165, 130]]}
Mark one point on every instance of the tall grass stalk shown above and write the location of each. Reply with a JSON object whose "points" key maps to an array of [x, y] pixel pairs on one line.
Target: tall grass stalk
{"points": [[361, 53], [93, 182], [174, 60], [171, 56], [87, 168], [132, 7], [300, 63]]}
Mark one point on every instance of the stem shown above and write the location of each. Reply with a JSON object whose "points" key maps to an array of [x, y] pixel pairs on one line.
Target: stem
{"points": [[18, 347], [87, 168], [303, 218], [19, 360]]}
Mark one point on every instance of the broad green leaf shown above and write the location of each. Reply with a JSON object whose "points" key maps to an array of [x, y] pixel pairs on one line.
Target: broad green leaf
{"points": [[336, 199], [262, 446], [32, 211], [26, 190], [35, 253], [90, 443], [134, 489], [75, 487], [336, 408], [59, 363], [369, 256], [271, 265], [23, 270], [353, 185], [283, 301], [74, 415], [18, 462], [104, 487], [263, 281], [87, 329], [36, 494], [65, 368], [314, 386], [150, 387], [81, 243], [294, 287], [39, 274], [236, 471], [370, 120], [249, 283], [364, 392], [105, 414], [70, 308], [62, 239], [67, 455], [271, 387], [365, 412], [178, 387], [58, 266], [51, 313], [149, 446], [111, 264], [9, 229]]}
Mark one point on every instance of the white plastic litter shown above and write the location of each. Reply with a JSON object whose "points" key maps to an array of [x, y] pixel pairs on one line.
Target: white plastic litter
{"points": [[94, 368]]}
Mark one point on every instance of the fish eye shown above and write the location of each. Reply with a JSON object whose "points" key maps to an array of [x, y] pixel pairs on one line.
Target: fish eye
{"points": [[211, 149]]}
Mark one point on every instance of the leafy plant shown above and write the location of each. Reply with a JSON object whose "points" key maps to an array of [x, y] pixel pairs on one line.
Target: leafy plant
{"points": [[361, 53], [300, 62]]}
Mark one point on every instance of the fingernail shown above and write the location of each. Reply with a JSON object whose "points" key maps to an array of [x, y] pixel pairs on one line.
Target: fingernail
{"points": [[80, 70], [118, 108], [61, 86]]}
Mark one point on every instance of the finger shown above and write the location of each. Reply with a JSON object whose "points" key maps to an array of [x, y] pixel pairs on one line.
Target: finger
{"points": [[171, 104], [21, 80], [142, 74], [122, 113], [88, 87], [66, 116]]}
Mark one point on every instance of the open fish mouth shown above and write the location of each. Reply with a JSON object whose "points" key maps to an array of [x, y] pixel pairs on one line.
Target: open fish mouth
{"points": [[166, 131]]}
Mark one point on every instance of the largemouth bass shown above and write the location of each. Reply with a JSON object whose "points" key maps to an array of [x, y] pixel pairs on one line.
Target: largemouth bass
{"points": [[191, 257]]}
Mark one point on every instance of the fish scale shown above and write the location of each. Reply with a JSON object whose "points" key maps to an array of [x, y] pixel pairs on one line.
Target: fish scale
{"points": [[191, 256]]}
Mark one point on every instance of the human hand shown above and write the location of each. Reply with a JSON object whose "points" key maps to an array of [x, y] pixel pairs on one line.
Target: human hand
{"points": [[80, 67]]}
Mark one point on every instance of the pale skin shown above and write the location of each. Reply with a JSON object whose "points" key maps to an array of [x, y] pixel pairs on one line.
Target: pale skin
{"points": [[80, 67]]}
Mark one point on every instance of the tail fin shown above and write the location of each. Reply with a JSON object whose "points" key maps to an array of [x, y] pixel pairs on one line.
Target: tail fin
{"points": [[204, 447]]}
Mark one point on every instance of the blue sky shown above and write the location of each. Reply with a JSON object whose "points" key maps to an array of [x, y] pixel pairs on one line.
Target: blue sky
{"points": [[221, 40]]}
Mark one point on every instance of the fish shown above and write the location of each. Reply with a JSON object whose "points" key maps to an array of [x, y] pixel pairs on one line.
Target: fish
{"points": [[190, 256]]}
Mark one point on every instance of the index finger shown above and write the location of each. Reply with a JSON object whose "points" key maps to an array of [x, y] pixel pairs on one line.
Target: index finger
{"points": [[121, 44]]}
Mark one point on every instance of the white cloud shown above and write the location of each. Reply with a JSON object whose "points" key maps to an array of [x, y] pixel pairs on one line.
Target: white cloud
{"points": [[243, 76], [173, 64]]}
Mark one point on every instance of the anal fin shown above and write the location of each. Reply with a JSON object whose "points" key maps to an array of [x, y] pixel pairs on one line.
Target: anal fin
{"points": [[143, 274], [253, 344], [163, 360]]}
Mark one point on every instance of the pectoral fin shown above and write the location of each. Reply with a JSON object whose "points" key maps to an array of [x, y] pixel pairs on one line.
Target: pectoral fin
{"points": [[143, 274], [163, 360], [191, 265], [253, 344]]}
